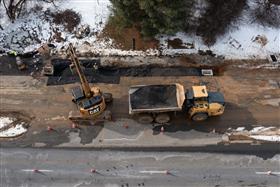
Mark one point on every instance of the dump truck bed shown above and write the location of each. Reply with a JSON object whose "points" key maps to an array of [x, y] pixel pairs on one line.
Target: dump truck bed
{"points": [[156, 98]]}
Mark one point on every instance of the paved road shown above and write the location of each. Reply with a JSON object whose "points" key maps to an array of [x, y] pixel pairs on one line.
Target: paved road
{"points": [[58, 167]]}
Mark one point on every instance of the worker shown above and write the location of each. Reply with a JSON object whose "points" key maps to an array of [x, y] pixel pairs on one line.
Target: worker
{"points": [[12, 53]]}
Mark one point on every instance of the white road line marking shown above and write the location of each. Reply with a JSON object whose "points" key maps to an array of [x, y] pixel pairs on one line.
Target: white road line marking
{"points": [[40, 170], [268, 173], [154, 171]]}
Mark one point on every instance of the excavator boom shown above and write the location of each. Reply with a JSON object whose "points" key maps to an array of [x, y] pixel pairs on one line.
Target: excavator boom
{"points": [[84, 82]]}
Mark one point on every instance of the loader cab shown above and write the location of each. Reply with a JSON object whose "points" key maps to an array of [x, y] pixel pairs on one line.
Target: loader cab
{"points": [[200, 104], [196, 96]]}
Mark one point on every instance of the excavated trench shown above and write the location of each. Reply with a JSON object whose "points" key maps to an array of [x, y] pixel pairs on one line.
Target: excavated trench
{"points": [[63, 74], [104, 74]]}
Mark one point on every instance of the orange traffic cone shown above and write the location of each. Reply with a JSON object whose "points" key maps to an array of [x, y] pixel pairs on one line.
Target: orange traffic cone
{"points": [[125, 126], [162, 130], [74, 126], [50, 128]]}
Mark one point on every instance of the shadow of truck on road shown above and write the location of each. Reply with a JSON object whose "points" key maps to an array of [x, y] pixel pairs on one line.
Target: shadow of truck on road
{"points": [[233, 117]]}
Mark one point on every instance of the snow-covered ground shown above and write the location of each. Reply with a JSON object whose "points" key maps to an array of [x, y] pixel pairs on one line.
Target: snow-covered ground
{"points": [[5, 121], [235, 44], [239, 43], [14, 131], [271, 134], [7, 130]]}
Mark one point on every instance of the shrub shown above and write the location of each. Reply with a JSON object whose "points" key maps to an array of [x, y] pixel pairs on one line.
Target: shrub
{"points": [[68, 18]]}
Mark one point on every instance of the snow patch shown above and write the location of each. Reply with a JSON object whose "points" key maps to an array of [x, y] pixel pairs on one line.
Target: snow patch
{"points": [[14, 131], [31, 30], [258, 133], [5, 121], [93, 12], [260, 129], [275, 138], [237, 44], [240, 129]]}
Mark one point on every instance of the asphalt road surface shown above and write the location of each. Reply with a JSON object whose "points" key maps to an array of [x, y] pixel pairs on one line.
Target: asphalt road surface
{"points": [[81, 168]]}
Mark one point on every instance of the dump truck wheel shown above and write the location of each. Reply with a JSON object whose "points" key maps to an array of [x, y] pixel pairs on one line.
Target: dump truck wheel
{"points": [[145, 119], [199, 116], [162, 118], [108, 97]]}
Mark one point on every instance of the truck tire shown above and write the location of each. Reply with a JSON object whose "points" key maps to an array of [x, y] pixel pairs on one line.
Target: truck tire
{"points": [[200, 116], [108, 97], [145, 118], [162, 118]]}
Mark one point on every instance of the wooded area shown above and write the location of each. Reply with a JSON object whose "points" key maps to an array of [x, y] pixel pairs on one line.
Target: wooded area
{"points": [[153, 17]]}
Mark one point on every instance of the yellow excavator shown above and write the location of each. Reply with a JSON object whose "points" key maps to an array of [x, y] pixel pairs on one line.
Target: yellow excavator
{"points": [[91, 102]]}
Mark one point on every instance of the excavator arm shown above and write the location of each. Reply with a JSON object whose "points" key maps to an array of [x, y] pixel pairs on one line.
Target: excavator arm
{"points": [[76, 63]]}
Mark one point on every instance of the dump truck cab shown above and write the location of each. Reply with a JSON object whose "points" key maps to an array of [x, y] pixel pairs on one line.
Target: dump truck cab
{"points": [[200, 104]]}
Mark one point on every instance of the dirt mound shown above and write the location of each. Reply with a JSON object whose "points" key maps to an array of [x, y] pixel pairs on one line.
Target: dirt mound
{"points": [[68, 18], [127, 38]]}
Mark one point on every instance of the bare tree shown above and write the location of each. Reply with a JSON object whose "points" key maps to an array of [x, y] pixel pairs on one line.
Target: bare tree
{"points": [[13, 8], [50, 1], [267, 13], [1, 15]]}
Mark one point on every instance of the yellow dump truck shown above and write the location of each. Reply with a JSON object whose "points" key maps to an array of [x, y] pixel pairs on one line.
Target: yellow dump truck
{"points": [[156, 103]]}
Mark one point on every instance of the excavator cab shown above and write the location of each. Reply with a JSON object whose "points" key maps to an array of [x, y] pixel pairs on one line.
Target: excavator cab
{"points": [[77, 94], [200, 104]]}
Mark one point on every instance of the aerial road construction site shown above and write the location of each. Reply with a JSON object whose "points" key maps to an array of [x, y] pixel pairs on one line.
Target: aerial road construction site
{"points": [[91, 104], [97, 103], [174, 108]]}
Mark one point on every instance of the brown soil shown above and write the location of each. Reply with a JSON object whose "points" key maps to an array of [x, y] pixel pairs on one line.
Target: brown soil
{"points": [[68, 18], [218, 66], [178, 44], [123, 38], [154, 97]]}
